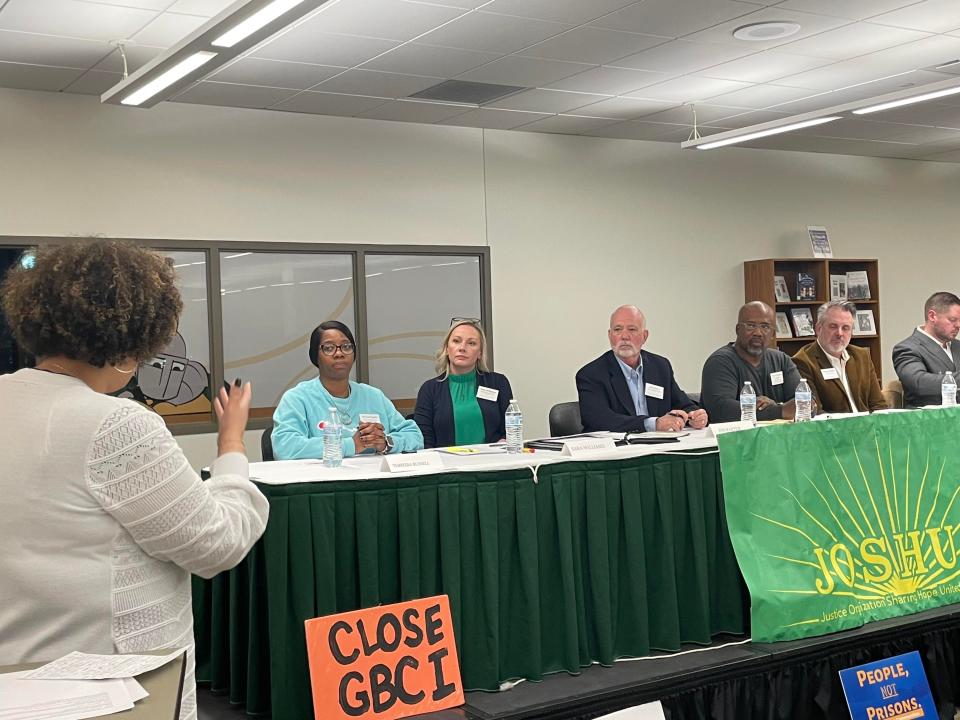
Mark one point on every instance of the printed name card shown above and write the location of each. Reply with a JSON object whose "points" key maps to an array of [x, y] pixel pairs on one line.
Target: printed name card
{"points": [[385, 662], [717, 429], [401, 462], [578, 447], [893, 688], [370, 418]]}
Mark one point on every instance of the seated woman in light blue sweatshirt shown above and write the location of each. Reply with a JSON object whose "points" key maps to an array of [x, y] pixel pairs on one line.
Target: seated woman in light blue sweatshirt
{"points": [[302, 409]]}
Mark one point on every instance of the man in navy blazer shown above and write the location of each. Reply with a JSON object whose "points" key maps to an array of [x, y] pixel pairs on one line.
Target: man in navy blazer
{"points": [[628, 389]]}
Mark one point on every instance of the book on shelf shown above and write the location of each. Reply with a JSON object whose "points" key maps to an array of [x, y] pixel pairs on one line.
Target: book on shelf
{"points": [[783, 327], [864, 324], [802, 322], [780, 289], [819, 241], [806, 286], [858, 287], [838, 287]]}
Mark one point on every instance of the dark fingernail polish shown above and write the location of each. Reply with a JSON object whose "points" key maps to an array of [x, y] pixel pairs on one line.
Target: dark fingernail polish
{"points": [[226, 386], [237, 382]]}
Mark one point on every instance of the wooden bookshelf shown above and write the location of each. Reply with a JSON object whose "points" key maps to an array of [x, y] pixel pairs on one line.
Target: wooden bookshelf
{"points": [[758, 284]]}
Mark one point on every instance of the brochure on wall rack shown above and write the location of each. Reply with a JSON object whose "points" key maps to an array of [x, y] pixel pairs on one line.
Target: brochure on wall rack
{"points": [[819, 241], [858, 286]]}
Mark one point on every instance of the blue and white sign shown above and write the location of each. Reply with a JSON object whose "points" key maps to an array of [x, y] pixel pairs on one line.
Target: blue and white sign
{"points": [[891, 689]]}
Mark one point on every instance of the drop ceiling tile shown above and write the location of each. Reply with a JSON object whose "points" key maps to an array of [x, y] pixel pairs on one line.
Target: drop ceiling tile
{"points": [[810, 24], [688, 89], [852, 40], [568, 11], [93, 82], [413, 111], [681, 133], [142, 4], [493, 33], [634, 130], [766, 66], [320, 103], [854, 128], [303, 44], [928, 135], [30, 48], [751, 117], [621, 108], [679, 57], [546, 101], [683, 114], [36, 77], [524, 71], [609, 81], [925, 113], [566, 124], [758, 97], [73, 19], [934, 16], [387, 19], [207, 8], [137, 56], [377, 84], [849, 9], [593, 45], [674, 18], [232, 95], [931, 51], [417, 59], [462, 4], [275, 73], [168, 29], [494, 119]]}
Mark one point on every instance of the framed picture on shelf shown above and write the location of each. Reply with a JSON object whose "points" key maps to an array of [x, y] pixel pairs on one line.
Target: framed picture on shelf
{"points": [[858, 287], [819, 241], [806, 286], [783, 327], [838, 287], [864, 324], [780, 289], [802, 322]]}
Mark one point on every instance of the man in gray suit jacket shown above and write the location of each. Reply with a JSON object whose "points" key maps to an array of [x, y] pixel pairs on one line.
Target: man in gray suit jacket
{"points": [[932, 349]]}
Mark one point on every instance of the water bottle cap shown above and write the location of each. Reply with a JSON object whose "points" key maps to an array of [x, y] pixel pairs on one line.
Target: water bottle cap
{"points": [[513, 400]]}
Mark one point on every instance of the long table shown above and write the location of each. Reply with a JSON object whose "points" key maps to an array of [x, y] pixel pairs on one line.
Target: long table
{"points": [[550, 564]]}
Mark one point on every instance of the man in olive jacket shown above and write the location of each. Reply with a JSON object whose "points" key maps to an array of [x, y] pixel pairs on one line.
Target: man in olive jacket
{"points": [[841, 376]]}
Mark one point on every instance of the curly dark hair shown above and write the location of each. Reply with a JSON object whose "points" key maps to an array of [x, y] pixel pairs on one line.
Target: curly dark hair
{"points": [[98, 301]]}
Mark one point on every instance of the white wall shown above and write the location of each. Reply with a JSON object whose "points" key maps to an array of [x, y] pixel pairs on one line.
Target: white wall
{"points": [[576, 225]]}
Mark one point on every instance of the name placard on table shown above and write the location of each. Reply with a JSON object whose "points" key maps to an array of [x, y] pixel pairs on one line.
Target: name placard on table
{"points": [[578, 447], [411, 462]]}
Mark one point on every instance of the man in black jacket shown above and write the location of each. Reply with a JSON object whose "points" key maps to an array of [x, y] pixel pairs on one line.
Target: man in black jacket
{"points": [[628, 389]]}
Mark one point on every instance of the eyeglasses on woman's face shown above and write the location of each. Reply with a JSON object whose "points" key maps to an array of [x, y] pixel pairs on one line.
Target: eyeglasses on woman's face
{"points": [[330, 348]]}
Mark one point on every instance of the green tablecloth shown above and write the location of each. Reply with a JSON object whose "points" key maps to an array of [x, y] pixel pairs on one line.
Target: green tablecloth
{"points": [[593, 562]]}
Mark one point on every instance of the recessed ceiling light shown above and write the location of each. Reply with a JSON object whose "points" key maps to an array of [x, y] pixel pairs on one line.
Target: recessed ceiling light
{"points": [[764, 31]]}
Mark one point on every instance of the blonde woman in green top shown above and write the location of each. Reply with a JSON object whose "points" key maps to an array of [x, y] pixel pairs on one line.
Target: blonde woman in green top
{"points": [[466, 402]]}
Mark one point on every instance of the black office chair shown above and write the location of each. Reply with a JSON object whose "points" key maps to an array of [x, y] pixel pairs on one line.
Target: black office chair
{"points": [[695, 396], [266, 444], [564, 419]]}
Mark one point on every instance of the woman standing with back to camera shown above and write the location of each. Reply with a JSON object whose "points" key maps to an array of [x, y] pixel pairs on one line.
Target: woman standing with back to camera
{"points": [[103, 518], [466, 402]]}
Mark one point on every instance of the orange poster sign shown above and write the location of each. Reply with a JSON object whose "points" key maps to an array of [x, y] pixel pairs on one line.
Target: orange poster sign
{"points": [[386, 662]]}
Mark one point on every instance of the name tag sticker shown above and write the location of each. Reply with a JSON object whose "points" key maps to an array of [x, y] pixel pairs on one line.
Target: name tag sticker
{"points": [[776, 378], [830, 373], [411, 462], [485, 393], [579, 447], [654, 391], [370, 418]]}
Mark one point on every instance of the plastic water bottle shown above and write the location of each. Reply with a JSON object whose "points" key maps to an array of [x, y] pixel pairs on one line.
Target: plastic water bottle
{"points": [[332, 445], [803, 399], [748, 404], [948, 390], [513, 420]]}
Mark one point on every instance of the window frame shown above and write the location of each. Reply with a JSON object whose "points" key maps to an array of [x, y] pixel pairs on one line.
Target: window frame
{"points": [[358, 253]]}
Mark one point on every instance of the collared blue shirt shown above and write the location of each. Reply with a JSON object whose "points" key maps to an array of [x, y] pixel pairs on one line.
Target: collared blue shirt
{"points": [[635, 385]]}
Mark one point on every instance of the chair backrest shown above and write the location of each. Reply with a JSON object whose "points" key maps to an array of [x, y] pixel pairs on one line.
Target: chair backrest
{"points": [[564, 419], [893, 393], [266, 444]]}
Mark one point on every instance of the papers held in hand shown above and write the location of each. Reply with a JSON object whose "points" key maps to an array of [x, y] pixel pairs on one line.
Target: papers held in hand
{"points": [[619, 438]]}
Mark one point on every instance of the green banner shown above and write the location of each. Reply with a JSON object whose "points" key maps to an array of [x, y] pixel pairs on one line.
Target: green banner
{"points": [[841, 522]]}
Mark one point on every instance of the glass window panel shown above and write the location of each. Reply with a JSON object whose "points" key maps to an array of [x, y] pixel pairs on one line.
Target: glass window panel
{"points": [[271, 304], [410, 300], [176, 382]]}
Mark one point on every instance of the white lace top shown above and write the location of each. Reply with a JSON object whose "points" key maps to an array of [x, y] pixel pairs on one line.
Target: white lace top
{"points": [[102, 521]]}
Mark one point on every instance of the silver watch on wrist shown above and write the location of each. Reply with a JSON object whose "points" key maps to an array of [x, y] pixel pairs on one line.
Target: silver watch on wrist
{"points": [[389, 446]]}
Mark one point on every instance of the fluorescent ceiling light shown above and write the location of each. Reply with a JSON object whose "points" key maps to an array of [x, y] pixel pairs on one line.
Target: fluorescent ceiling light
{"points": [[256, 21], [907, 101], [764, 133], [181, 69]]}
